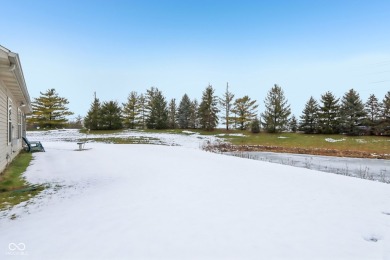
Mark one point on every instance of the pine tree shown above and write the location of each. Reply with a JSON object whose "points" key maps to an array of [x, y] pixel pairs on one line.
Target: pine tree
{"points": [[172, 114], [142, 111], [293, 124], [329, 114], [245, 111], [384, 127], [194, 118], [385, 107], [309, 117], [49, 110], [131, 111], [184, 112], [226, 103], [158, 111], [149, 97], [208, 110], [91, 121], [255, 126], [277, 111], [372, 109], [110, 117], [352, 112]]}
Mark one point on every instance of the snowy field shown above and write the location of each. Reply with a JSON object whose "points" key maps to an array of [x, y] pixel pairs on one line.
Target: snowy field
{"points": [[169, 202], [189, 139]]}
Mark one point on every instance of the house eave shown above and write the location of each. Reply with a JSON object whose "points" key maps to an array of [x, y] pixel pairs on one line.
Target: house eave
{"points": [[15, 80]]}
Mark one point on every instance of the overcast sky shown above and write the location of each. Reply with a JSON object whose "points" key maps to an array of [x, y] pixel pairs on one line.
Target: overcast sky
{"points": [[114, 47]]}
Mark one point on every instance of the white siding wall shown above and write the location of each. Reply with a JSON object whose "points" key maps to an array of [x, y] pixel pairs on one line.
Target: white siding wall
{"points": [[3, 127], [8, 151]]}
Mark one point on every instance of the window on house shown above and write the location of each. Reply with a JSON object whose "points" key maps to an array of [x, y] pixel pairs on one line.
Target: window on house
{"points": [[20, 120], [9, 121]]}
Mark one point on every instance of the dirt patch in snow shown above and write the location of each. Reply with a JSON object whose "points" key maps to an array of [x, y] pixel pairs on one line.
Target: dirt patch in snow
{"points": [[226, 147]]}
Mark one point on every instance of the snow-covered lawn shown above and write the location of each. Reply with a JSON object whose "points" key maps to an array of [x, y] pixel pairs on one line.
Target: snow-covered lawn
{"points": [[187, 139], [170, 202]]}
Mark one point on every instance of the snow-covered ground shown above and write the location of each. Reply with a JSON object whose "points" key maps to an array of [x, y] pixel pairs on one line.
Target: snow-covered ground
{"points": [[169, 202], [188, 139]]}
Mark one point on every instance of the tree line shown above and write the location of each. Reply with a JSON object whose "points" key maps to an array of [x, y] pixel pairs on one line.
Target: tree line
{"points": [[151, 110], [331, 115]]}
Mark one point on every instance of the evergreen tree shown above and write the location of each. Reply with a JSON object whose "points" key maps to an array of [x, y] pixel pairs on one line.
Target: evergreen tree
{"points": [[172, 114], [293, 124], [277, 111], [158, 111], [149, 97], [329, 114], [255, 126], [245, 111], [49, 110], [309, 117], [372, 109], [384, 127], [234, 119], [385, 107], [110, 116], [184, 112], [142, 102], [352, 112], [208, 110], [91, 121], [226, 103], [194, 118], [131, 111]]}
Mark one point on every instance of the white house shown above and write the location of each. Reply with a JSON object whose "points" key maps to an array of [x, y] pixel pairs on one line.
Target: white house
{"points": [[14, 105]]}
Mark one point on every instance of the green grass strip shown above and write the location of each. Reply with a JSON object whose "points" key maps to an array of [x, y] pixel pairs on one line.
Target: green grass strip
{"points": [[14, 189]]}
